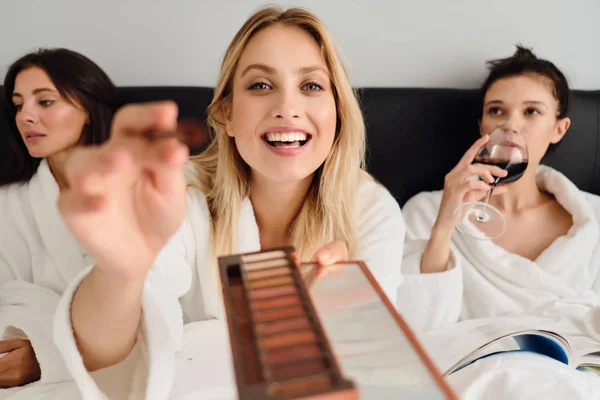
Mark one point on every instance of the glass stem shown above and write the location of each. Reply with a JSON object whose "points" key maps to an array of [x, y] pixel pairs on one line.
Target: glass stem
{"points": [[482, 216], [489, 194]]}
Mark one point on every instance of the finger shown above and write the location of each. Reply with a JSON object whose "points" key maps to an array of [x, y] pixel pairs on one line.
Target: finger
{"points": [[70, 203], [470, 154], [4, 365], [295, 257], [475, 195], [166, 165], [332, 252], [93, 172], [138, 119], [473, 173], [478, 190], [494, 170], [473, 191], [489, 173], [6, 346], [8, 363], [193, 133], [5, 368], [500, 189]]}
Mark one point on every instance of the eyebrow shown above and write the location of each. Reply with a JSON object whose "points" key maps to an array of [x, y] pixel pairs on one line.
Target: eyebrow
{"points": [[308, 70], [36, 91], [534, 102], [271, 70]]}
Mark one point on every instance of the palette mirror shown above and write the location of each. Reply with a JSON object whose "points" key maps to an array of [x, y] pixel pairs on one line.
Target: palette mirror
{"points": [[374, 346]]}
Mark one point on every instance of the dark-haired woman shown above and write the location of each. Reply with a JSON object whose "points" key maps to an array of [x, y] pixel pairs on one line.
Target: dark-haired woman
{"points": [[545, 265], [55, 100]]}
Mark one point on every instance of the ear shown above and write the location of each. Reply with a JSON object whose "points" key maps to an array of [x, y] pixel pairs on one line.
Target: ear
{"points": [[561, 130], [226, 111]]}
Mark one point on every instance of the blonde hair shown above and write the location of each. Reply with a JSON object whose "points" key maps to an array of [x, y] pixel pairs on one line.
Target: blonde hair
{"points": [[329, 209]]}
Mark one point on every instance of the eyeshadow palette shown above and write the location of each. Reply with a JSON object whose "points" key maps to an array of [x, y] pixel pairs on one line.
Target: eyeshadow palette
{"points": [[308, 331], [280, 350]]}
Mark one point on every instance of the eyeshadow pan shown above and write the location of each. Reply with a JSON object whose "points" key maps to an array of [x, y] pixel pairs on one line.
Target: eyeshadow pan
{"points": [[268, 272], [272, 292], [268, 282], [268, 255], [244, 332], [288, 339], [275, 302], [292, 324], [308, 367], [288, 354], [259, 265], [279, 313], [309, 384]]}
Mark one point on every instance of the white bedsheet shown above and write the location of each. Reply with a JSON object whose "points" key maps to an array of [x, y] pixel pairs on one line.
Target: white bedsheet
{"points": [[524, 376]]}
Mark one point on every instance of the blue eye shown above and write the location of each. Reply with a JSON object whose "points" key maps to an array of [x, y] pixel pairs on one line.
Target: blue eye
{"points": [[312, 87], [260, 86]]}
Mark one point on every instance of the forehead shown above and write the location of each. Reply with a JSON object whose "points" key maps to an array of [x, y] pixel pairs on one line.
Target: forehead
{"points": [[32, 78], [282, 47], [522, 88]]}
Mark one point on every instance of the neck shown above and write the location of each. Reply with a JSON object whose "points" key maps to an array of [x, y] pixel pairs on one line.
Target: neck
{"points": [[276, 205], [523, 193], [57, 164]]}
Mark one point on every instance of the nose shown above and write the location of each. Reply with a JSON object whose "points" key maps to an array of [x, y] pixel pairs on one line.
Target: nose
{"points": [[287, 105], [513, 124], [26, 115]]}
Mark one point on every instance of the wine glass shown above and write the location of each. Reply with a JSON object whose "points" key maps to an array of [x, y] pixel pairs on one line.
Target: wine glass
{"points": [[507, 149]]}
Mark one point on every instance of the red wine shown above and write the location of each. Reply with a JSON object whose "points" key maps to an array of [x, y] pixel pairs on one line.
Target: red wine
{"points": [[515, 170]]}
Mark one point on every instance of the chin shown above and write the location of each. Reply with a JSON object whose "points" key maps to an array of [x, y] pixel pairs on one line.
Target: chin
{"points": [[286, 176], [37, 153]]}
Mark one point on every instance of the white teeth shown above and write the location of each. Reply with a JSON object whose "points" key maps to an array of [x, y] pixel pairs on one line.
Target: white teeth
{"points": [[286, 137]]}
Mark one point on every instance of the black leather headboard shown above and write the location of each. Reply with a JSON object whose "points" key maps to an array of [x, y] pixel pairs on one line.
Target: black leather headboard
{"points": [[415, 136]]}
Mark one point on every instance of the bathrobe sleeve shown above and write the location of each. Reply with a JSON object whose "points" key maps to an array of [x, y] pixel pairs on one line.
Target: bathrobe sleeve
{"points": [[161, 330], [381, 233], [427, 301]]}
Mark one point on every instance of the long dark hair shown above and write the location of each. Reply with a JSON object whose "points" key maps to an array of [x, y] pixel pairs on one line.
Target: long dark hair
{"points": [[524, 62], [77, 79]]}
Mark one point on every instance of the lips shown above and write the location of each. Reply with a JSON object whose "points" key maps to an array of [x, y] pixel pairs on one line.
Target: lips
{"points": [[286, 137], [286, 140], [507, 143], [31, 135]]}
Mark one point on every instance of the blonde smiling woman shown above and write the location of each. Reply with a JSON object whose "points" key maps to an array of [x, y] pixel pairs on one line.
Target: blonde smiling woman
{"points": [[285, 167]]}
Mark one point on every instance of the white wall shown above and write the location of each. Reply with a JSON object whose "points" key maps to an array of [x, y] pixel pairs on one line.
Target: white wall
{"points": [[422, 43]]}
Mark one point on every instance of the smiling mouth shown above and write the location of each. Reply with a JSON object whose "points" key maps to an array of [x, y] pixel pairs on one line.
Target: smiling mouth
{"points": [[289, 140]]}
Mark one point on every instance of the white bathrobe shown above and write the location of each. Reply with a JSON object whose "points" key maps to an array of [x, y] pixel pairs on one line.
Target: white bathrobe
{"points": [[38, 259], [188, 262], [484, 280]]}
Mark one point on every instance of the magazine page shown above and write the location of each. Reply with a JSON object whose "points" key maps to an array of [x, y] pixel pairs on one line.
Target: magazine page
{"points": [[450, 344]]}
